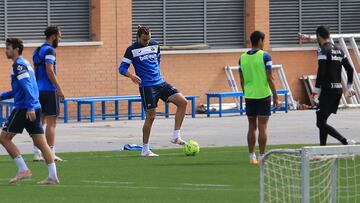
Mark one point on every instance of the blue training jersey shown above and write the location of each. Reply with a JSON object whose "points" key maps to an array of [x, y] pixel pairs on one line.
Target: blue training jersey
{"points": [[45, 54], [24, 88], [146, 61], [267, 59]]}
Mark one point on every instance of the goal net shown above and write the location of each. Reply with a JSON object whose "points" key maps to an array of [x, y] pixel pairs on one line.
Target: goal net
{"points": [[311, 175]]}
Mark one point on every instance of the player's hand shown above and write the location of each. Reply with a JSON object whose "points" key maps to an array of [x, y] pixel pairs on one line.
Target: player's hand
{"points": [[303, 37], [30, 115], [315, 97], [276, 101], [60, 93], [350, 91], [135, 79]]}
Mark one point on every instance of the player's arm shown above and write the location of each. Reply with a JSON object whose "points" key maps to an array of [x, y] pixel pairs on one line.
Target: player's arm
{"points": [[49, 63], [241, 77], [22, 74], [7, 95], [124, 67], [320, 76], [270, 78], [350, 75]]}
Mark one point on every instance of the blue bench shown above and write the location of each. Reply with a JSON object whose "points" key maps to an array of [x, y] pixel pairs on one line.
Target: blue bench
{"points": [[240, 95], [116, 99], [8, 106], [166, 113], [221, 96]]}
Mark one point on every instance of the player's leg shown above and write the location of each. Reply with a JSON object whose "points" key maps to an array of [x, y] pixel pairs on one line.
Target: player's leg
{"points": [[40, 141], [44, 105], [264, 113], [14, 125], [326, 129], [35, 129], [149, 101], [263, 123], [169, 93], [251, 112], [251, 138], [179, 100]]}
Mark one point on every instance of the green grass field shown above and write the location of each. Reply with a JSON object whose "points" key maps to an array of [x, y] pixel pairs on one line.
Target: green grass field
{"points": [[214, 175]]}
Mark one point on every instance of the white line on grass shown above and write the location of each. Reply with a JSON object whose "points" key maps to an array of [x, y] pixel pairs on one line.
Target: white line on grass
{"points": [[149, 187], [107, 182], [205, 185]]}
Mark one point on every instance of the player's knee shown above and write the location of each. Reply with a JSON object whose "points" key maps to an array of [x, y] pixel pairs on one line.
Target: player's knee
{"points": [[151, 117], [320, 124], [4, 138], [182, 103]]}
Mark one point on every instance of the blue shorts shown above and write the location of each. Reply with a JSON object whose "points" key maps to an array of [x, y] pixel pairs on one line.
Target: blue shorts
{"points": [[49, 103], [258, 107], [17, 122], [150, 95]]}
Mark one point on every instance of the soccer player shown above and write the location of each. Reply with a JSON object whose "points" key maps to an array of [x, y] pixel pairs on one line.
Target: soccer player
{"points": [[25, 115], [329, 86], [258, 85], [44, 58], [144, 54]]}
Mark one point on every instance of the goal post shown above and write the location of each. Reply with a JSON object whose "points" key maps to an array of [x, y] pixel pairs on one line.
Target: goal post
{"points": [[312, 174]]}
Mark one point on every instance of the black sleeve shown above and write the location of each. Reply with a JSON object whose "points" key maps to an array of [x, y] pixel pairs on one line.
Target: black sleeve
{"points": [[322, 60], [349, 69]]}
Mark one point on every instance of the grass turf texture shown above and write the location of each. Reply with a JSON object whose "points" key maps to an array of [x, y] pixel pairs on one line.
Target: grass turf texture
{"points": [[214, 175]]}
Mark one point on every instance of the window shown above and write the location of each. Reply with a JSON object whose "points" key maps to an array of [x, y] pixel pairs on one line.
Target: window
{"points": [[217, 23], [28, 19], [287, 18]]}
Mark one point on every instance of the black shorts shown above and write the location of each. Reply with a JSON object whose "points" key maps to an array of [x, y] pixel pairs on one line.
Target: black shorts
{"points": [[329, 103], [150, 95], [49, 103], [258, 107], [17, 122]]}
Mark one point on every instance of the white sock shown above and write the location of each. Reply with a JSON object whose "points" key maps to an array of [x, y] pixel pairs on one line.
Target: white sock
{"points": [[37, 150], [252, 155], [176, 134], [146, 147], [20, 163], [261, 156], [52, 148], [52, 171]]}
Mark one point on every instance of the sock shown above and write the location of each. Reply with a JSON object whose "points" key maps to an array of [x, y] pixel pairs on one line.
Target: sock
{"points": [[52, 148], [261, 156], [252, 155], [20, 163], [36, 150], [52, 171], [176, 134], [146, 148]]}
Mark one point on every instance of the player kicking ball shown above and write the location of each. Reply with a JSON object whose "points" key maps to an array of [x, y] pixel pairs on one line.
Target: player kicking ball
{"points": [[26, 115], [144, 54]]}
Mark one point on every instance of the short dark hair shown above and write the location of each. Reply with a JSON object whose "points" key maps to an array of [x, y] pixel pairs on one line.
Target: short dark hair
{"points": [[256, 36], [16, 43], [51, 30], [323, 32], [142, 30]]}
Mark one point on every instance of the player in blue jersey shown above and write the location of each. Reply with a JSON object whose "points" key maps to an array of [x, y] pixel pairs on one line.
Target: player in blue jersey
{"points": [[44, 58], [144, 54], [26, 114]]}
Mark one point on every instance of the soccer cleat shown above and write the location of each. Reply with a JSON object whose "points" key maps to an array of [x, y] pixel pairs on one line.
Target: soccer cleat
{"points": [[49, 181], [58, 159], [149, 154], [178, 141], [351, 142], [21, 176], [254, 161], [38, 157]]}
